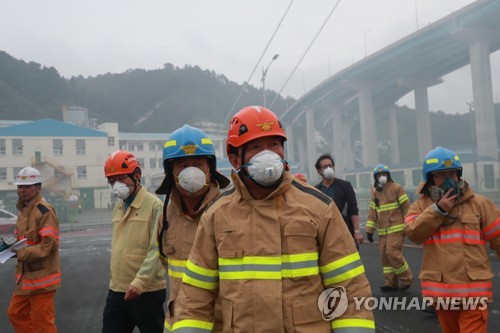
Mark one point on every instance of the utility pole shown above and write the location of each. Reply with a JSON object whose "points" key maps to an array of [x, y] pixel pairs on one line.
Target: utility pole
{"points": [[474, 140]]}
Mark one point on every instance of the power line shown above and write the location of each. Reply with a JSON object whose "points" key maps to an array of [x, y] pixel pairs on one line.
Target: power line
{"points": [[305, 53], [257, 64]]}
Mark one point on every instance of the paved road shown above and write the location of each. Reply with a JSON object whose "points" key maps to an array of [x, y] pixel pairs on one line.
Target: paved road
{"points": [[85, 256]]}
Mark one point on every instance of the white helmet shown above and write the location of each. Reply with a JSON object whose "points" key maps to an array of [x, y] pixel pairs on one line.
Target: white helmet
{"points": [[28, 176]]}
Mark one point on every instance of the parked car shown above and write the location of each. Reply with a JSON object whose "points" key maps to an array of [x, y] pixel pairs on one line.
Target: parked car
{"points": [[7, 222]]}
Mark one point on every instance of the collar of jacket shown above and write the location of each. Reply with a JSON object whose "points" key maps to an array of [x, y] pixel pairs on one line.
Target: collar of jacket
{"points": [[175, 200], [21, 204], [139, 198], [240, 187]]}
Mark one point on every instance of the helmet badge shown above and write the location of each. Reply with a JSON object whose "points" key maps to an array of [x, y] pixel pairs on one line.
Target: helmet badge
{"points": [[266, 126], [448, 163], [189, 149]]}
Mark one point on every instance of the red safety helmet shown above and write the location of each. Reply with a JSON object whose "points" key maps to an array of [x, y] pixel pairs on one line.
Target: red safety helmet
{"points": [[121, 162], [252, 122]]}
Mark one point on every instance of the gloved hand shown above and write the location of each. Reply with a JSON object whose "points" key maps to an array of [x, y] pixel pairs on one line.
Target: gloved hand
{"points": [[369, 236]]}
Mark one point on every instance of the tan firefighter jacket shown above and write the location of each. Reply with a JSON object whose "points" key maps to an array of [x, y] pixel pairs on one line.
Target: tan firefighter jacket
{"points": [[134, 250], [177, 243], [387, 210], [270, 260], [455, 262], [38, 268]]}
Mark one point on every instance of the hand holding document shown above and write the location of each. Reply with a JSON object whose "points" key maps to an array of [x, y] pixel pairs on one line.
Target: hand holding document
{"points": [[7, 253]]}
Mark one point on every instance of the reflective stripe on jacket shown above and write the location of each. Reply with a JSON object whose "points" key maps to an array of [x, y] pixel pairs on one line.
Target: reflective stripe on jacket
{"points": [[177, 243], [455, 260], [386, 213], [269, 260], [38, 264]]}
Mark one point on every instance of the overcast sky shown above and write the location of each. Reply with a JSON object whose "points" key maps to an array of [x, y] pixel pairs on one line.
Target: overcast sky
{"points": [[95, 37]]}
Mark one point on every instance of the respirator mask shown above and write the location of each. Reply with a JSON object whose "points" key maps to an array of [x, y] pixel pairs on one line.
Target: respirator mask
{"points": [[192, 179], [120, 190], [328, 173], [437, 192], [265, 168], [382, 180]]}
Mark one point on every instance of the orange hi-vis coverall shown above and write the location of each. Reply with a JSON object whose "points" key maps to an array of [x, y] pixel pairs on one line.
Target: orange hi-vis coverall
{"points": [[269, 261], [455, 263], [37, 273], [176, 244], [386, 215]]}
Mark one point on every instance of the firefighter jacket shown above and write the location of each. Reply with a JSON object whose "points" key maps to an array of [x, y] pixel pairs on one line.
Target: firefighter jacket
{"points": [[134, 253], [38, 268], [387, 210], [270, 260], [455, 261], [177, 242]]}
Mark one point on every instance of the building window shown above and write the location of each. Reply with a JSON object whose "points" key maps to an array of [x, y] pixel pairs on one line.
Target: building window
{"points": [[152, 163], [140, 147], [160, 163], [141, 162], [80, 147], [152, 146], [131, 147], [3, 174], [398, 177], [111, 141], [57, 147], [17, 147], [81, 172], [2, 147], [123, 145], [416, 176], [160, 146], [489, 176]]}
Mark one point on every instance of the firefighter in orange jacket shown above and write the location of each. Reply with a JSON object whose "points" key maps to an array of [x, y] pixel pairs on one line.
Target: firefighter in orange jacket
{"points": [[270, 248], [387, 210], [454, 224], [191, 183], [38, 274]]}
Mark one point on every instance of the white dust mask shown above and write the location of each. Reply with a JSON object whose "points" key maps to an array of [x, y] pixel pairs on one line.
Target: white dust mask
{"points": [[121, 190], [382, 180], [328, 173], [265, 168], [192, 179]]}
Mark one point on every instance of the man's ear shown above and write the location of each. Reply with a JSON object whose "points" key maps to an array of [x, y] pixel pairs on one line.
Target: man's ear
{"points": [[235, 161]]}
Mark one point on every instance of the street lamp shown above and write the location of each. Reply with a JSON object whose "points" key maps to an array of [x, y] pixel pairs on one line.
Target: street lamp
{"points": [[264, 72]]}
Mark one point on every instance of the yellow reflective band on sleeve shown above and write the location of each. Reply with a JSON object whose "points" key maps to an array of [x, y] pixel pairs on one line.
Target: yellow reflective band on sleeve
{"points": [[176, 268], [171, 143], [192, 325], [371, 224], [343, 269], [353, 324], [206, 141], [403, 198], [269, 268], [373, 205], [432, 161], [200, 277], [167, 327]]}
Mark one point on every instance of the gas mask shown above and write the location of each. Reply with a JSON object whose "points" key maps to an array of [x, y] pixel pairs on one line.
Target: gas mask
{"points": [[328, 173], [192, 179], [437, 192], [121, 190], [382, 180], [265, 168]]}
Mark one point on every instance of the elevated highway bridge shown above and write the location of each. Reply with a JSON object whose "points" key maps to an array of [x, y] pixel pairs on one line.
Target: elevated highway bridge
{"points": [[353, 96]]}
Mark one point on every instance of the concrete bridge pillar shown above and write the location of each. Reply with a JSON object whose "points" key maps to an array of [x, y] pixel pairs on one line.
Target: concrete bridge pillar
{"points": [[482, 88], [423, 121], [368, 127], [311, 144], [290, 152], [338, 147], [394, 135]]}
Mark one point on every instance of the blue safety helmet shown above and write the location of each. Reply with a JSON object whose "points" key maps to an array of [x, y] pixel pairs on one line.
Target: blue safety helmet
{"points": [[188, 141], [440, 159], [379, 168]]}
